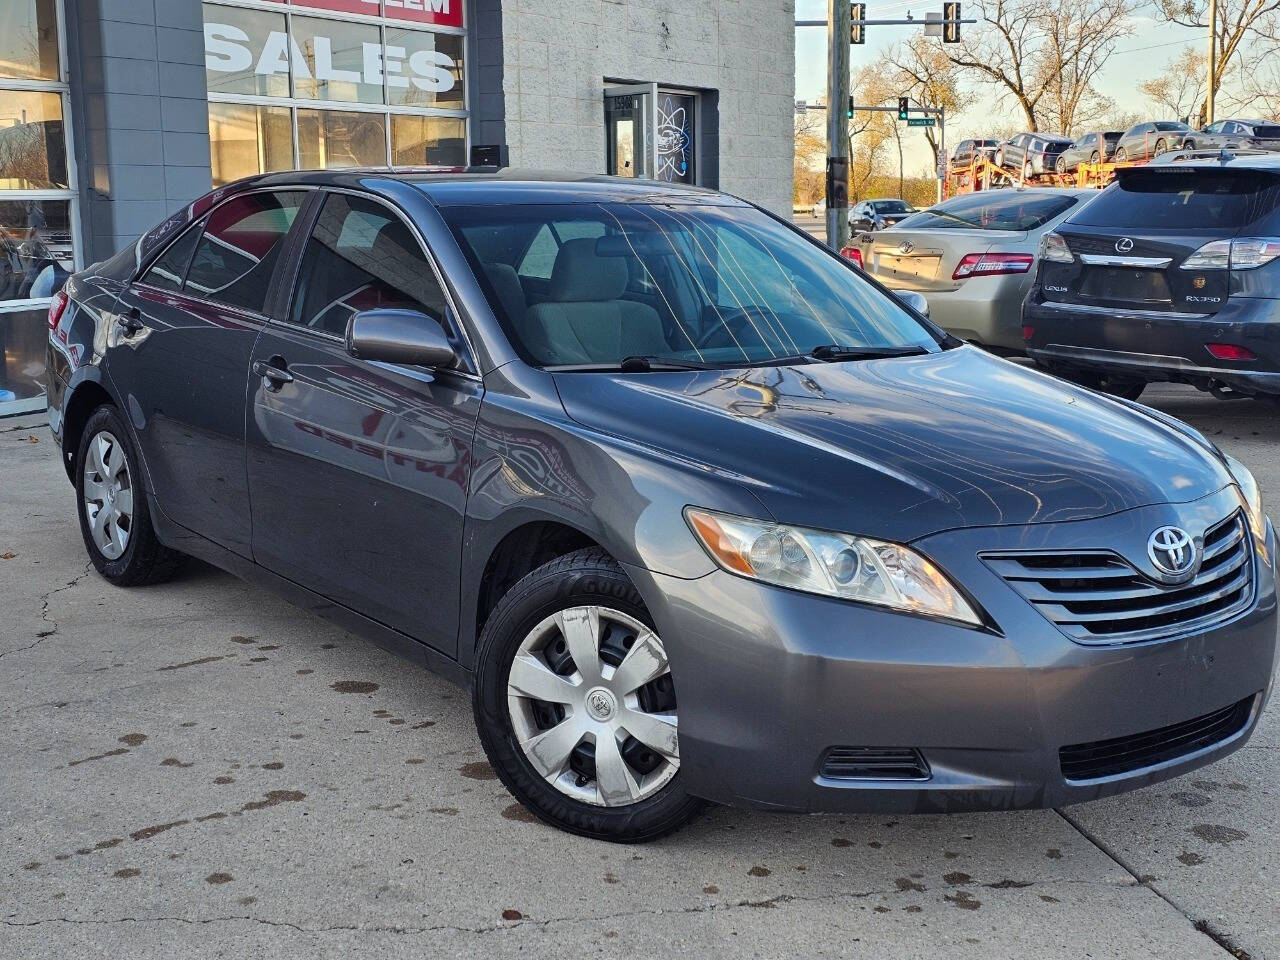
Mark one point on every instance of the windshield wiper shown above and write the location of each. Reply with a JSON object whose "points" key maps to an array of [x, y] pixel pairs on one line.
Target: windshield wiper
{"points": [[643, 363], [835, 352]]}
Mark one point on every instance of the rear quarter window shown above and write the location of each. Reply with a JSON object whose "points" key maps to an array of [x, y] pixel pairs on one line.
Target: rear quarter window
{"points": [[1184, 200]]}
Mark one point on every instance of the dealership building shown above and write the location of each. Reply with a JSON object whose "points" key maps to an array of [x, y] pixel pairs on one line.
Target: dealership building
{"points": [[114, 113]]}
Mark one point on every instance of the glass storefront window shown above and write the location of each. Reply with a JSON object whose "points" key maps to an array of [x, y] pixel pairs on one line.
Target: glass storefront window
{"points": [[245, 139], [246, 51], [274, 76], [36, 254], [28, 40], [341, 138], [33, 149], [339, 61], [23, 336], [424, 69], [428, 141]]}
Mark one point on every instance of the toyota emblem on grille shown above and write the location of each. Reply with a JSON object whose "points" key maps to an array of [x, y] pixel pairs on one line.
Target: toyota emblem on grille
{"points": [[1124, 245], [1174, 553], [906, 246]]}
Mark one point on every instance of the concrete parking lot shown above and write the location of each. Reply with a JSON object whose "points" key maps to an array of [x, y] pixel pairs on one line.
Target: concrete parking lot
{"points": [[201, 770]]}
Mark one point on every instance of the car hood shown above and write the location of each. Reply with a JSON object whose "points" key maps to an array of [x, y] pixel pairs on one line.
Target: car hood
{"points": [[902, 448]]}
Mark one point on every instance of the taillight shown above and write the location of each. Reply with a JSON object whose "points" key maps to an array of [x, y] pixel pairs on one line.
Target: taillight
{"points": [[1246, 253], [1054, 248], [56, 308], [1230, 351], [1028, 331], [850, 252], [992, 264]]}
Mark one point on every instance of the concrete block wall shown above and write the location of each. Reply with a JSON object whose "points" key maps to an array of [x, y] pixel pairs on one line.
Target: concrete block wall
{"points": [[141, 114], [557, 54]]}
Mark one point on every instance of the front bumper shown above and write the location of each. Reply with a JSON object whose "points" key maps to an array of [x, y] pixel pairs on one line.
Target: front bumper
{"points": [[1158, 346], [769, 679]]}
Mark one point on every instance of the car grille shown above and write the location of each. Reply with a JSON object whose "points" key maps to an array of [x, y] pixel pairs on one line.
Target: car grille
{"points": [[1106, 758], [874, 763], [1098, 597]]}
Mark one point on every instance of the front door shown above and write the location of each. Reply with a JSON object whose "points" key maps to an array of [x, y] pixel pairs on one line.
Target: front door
{"points": [[358, 471], [181, 341]]}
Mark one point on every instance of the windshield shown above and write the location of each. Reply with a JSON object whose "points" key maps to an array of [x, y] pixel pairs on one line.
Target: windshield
{"points": [[892, 206], [591, 284], [991, 210]]}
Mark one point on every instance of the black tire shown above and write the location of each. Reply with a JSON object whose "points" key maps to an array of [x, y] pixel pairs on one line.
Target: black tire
{"points": [[1160, 147], [1062, 166], [1189, 145], [587, 577], [1122, 155], [1093, 157], [145, 559]]}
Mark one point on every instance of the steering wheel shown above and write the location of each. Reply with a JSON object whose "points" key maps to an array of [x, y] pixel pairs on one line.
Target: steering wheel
{"points": [[737, 324]]}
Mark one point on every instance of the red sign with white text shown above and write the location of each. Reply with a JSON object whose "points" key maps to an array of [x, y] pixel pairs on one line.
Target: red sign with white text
{"points": [[443, 13]]}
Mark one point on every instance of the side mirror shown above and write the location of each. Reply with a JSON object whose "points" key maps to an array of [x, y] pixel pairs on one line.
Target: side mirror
{"points": [[916, 301], [398, 336]]}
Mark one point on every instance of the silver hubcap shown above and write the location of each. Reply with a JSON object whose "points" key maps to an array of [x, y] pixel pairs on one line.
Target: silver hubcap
{"points": [[593, 706], [108, 495]]}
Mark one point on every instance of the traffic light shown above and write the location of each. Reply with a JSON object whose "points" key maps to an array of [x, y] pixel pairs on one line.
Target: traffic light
{"points": [[902, 108], [857, 13], [951, 28], [849, 110]]}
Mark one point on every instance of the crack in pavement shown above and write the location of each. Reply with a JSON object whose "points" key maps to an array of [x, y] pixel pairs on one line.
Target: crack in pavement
{"points": [[1148, 881], [767, 903], [44, 635]]}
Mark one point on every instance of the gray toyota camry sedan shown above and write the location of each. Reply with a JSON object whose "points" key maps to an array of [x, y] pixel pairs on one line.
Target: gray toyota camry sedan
{"points": [[696, 510]]}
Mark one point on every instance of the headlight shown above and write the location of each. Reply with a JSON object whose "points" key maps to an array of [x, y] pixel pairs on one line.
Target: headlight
{"points": [[1252, 496], [831, 564]]}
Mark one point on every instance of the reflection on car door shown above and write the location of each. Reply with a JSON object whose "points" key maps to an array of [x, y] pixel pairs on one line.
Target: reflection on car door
{"points": [[180, 347], [358, 471]]}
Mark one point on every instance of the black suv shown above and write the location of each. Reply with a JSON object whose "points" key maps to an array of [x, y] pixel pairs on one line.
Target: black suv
{"points": [[1172, 274]]}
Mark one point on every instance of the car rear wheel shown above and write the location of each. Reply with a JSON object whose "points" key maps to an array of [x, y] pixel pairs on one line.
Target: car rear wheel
{"points": [[115, 517], [1160, 147], [575, 703], [1189, 145]]}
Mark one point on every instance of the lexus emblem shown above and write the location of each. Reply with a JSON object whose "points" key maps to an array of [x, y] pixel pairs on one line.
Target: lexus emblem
{"points": [[1174, 553], [1124, 245], [906, 246]]}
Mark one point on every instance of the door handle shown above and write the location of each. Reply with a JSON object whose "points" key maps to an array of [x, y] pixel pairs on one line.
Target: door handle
{"points": [[272, 375], [131, 322]]}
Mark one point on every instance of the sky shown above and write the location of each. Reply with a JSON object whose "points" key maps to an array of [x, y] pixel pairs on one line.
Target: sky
{"points": [[1146, 52]]}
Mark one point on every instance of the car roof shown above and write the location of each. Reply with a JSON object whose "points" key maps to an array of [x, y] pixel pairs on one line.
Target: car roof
{"points": [[1262, 162]]}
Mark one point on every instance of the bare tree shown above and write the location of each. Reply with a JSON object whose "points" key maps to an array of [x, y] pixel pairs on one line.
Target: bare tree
{"points": [[1258, 82], [1239, 21], [920, 69], [1181, 87], [1046, 55]]}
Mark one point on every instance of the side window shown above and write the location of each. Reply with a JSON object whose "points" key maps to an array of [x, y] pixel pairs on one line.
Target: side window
{"points": [[540, 259], [361, 256], [235, 257], [168, 270]]}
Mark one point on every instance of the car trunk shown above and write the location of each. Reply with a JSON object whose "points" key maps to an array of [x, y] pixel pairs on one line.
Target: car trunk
{"points": [[924, 260], [1129, 246]]}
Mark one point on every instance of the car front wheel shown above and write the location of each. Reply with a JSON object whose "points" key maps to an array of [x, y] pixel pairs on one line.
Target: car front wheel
{"points": [[115, 517], [575, 703], [1122, 155]]}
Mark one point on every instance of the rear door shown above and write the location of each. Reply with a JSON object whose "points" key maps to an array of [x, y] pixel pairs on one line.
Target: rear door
{"points": [[1131, 244], [358, 470], [179, 356]]}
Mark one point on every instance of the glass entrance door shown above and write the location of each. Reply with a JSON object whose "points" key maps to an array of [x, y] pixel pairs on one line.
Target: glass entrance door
{"points": [[629, 128]]}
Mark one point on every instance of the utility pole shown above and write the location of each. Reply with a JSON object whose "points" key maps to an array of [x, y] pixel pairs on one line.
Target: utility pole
{"points": [[838, 17], [1213, 60]]}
